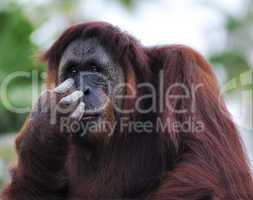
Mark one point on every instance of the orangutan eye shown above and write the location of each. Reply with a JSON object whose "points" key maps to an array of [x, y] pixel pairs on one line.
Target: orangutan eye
{"points": [[74, 71], [94, 68], [71, 71]]}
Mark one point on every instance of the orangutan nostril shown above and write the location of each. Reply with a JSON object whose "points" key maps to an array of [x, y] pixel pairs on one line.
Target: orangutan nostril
{"points": [[86, 90]]}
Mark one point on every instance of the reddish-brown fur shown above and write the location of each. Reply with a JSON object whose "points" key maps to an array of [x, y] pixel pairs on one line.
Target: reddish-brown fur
{"points": [[164, 165]]}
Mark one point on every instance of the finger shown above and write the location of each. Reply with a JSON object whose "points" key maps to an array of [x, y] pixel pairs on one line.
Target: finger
{"points": [[72, 98], [41, 104], [78, 113], [65, 86]]}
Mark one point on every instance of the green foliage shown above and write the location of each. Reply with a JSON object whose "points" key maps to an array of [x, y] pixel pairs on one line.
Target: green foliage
{"points": [[16, 54], [127, 3], [233, 61], [15, 41], [232, 23], [7, 156], [235, 58]]}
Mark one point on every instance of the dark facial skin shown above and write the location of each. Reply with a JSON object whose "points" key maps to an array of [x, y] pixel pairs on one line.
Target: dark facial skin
{"points": [[95, 73]]}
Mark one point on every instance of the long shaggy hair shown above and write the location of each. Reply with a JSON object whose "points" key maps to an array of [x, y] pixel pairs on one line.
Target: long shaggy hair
{"points": [[175, 164]]}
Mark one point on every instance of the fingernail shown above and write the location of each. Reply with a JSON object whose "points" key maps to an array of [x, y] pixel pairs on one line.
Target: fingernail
{"points": [[72, 97], [65, 86], [78, 113]]}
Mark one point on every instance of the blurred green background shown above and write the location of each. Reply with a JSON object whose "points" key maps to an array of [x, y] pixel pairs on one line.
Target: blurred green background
{"points": [[221, 30]]}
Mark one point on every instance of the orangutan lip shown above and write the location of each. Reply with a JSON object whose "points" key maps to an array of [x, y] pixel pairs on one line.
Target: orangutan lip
{"points": [[91, 114], [89, 117]]}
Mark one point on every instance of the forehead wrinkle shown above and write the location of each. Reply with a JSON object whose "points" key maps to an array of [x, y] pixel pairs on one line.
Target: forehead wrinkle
{"points": [[82, 50]]}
